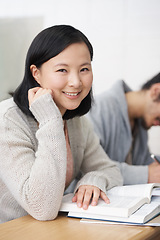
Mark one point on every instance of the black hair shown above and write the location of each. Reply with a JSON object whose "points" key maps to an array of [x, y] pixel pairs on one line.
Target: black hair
{"points": [[46, 45], [149, 83]]}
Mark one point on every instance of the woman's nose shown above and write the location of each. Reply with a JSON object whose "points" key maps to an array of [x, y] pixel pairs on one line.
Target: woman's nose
{"points": [[74, 80]]}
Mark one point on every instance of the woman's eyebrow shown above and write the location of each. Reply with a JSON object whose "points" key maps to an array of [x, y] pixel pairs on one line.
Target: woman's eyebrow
{"points": [[61, 64], [64, 64], [85, 64]]}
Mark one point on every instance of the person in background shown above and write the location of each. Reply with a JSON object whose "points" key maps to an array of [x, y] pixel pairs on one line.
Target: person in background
{"points": [[45, 139], [121, 118]]}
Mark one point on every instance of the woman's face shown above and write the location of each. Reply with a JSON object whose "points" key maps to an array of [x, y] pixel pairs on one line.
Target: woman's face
{"points": [[68, 75]]}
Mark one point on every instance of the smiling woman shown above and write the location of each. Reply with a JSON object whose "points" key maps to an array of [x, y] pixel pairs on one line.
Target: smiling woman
{"points": [[46, 45], [45, 139]]}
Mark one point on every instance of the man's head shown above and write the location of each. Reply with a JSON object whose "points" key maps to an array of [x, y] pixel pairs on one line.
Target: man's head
{"points": [[151, 110]]}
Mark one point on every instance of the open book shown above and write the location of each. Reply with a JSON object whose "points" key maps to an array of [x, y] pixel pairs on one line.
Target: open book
{"points": [[141, 216], [124, 201]]}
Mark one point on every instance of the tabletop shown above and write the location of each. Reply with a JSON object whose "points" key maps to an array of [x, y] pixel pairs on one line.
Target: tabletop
{"points": [[63, 227]]}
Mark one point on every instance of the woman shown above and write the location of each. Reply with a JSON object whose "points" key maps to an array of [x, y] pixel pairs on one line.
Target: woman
{"points": [[45, 141]]}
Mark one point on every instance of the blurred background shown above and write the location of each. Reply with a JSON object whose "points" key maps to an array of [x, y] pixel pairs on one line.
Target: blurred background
{"points": [[125, 35]]}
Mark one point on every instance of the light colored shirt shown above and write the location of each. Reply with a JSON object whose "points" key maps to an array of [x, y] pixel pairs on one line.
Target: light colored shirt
{"points": [[109, 115]]}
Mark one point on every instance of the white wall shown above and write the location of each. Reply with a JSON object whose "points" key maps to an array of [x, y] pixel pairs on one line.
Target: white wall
{"points": [[15, 36], [125, 35]]}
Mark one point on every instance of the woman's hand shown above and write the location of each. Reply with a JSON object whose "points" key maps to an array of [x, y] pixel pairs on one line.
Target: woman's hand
{"points": [[36, 92], [85, 193]]}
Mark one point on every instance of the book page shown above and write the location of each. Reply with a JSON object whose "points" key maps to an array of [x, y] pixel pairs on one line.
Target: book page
{"points": [[152, 224], [139, 190], [118, 206], [156, 191], [155, 199], [155, 222]]}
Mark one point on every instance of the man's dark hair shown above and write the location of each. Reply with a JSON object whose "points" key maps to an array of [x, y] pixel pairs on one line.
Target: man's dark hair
{"points": [[46, 45], [148, 84]]}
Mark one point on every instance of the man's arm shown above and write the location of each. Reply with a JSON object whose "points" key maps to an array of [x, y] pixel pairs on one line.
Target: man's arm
{"points": [[133, 174]]}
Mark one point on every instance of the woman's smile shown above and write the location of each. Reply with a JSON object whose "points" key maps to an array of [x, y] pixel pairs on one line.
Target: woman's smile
{"points": [[72, 95]]}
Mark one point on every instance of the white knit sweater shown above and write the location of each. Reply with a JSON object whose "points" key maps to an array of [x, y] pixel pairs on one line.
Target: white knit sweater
{"points": [[33, 159]]}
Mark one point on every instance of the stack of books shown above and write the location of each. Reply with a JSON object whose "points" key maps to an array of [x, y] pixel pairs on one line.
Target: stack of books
{"points": [[135, 204]]}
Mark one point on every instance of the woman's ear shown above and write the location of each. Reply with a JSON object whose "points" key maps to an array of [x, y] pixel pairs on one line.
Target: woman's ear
{"points": [[35, 72]]}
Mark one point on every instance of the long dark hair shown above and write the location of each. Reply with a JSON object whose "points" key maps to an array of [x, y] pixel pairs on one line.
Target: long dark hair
{"points": [[46, 45]]}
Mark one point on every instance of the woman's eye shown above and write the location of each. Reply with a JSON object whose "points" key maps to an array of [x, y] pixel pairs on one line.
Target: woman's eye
{"points": [[84, 69], [61, 70]]}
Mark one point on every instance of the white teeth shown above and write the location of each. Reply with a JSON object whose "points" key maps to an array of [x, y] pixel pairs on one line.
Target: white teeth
{"points": [[71, 94]]}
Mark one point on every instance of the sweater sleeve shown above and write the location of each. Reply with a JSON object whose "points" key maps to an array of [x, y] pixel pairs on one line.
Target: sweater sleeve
{"points": [[98, 169], [35, 178]]}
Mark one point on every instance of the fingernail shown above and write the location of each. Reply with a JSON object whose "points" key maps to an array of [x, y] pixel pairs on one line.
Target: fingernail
{"points": [[79, 205], [85, 206], [93, 203]]}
